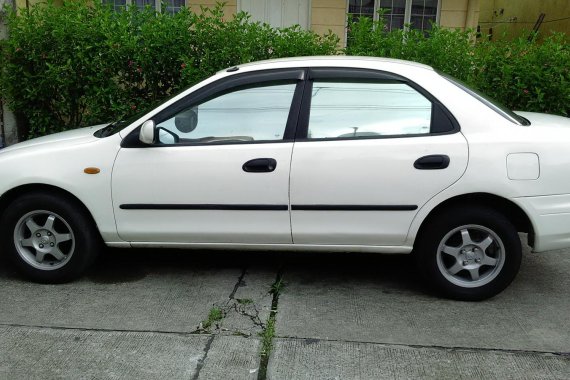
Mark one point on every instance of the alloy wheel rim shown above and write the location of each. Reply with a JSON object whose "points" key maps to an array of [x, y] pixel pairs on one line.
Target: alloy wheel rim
{"points": [[470, 256], [44, 240]]}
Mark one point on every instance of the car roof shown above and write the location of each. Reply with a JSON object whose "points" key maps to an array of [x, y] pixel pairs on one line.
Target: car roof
{"points": [[321, 61]]}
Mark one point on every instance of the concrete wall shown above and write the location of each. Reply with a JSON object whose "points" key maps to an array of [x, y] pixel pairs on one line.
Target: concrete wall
{"points": [[512, 18]]}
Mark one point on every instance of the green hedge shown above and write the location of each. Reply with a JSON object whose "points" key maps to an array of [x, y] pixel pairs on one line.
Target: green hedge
{"points": [[523, 75], [80, 64]]}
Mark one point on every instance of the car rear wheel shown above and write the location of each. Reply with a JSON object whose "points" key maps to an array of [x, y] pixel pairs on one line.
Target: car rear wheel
{"points": [[469, 253], [49, 238]]}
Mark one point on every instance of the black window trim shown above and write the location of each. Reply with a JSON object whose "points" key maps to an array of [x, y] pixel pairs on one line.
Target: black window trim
{"points": [[364, 74], [226, 85]]}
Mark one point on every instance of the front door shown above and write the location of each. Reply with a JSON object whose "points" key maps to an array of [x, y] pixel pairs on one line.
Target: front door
{"points": [[219, 170]]}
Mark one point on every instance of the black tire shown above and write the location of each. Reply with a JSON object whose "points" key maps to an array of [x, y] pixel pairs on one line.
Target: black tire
{"points": [[68, 219], [448, 273]]}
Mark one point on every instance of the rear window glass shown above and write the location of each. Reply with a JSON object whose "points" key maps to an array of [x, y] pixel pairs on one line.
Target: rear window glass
{"points": [[494, 105]]}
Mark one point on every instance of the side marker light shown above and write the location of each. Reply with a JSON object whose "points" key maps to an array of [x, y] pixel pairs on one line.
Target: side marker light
{"points": [[91, 170]]}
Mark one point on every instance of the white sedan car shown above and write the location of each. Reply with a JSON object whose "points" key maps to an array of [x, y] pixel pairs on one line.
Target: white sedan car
{"points": [[310, 154]]}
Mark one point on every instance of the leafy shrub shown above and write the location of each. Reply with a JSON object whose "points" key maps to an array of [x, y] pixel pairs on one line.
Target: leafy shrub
{"points": [[521, 74], [82, 63], [524, 75]]}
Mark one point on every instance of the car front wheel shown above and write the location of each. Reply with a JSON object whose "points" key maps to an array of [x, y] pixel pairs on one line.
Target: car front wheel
{"points": [[469, 253], [49, 238]]}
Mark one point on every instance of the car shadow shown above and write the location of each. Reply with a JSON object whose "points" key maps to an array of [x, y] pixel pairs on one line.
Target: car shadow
{"points": [[387, 271], [390, 273]]}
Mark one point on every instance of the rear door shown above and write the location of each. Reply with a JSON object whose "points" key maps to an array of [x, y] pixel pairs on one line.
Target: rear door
{"points": [[372, 148]]}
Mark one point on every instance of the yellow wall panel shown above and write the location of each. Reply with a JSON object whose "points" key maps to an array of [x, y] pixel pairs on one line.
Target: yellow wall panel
{"points": [[210, 3], [510, 18], [24, 3], [329, 4], [454, 5], [328, 16], [459, 14], [452, 19], [230, 7], [324, 29]]}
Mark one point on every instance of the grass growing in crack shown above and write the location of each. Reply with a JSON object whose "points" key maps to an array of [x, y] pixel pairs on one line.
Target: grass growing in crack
{"points": [[267, 336], [215, 315], [277, 287], [268, 332], [244, 301]]}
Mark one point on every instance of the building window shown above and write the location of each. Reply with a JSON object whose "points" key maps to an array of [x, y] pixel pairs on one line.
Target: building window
{"points": [[118, 5], [361, 8], [420, 14], [174, 6], [395, 15], [170, 6], [423, 14], [143, 3]]}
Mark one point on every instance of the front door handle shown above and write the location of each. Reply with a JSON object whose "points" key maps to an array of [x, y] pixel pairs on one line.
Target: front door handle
{"points": [[260, 165], [432, 162]]}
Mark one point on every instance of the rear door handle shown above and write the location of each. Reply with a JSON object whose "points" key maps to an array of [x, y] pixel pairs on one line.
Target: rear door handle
{"points": [[432, 162], [260, 165]]}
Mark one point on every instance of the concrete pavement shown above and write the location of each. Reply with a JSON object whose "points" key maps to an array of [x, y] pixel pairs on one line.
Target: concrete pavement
{"points": [[143, 314]]}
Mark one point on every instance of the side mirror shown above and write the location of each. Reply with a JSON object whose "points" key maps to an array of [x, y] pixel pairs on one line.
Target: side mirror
{"points": [[186, 121], [147, 133]]}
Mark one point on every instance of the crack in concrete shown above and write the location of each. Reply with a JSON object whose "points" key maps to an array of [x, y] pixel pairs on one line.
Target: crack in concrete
{"points": [[248, 310], [201, 361], [242, 307], [437, 347], [309, 340], [268, 332], [239, 283], [96, 329]]}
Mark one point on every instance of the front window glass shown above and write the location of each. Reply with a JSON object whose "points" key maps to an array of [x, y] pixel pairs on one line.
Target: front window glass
{"points": [[246, 114], [355, 109]]}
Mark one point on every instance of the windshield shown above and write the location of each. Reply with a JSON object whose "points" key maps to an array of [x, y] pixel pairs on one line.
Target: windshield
{"points": [[115, 127], [493, 104]]}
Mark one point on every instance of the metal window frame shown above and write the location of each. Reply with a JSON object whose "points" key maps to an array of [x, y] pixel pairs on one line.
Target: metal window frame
{"points": [[157, 4], [407, 12]]}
